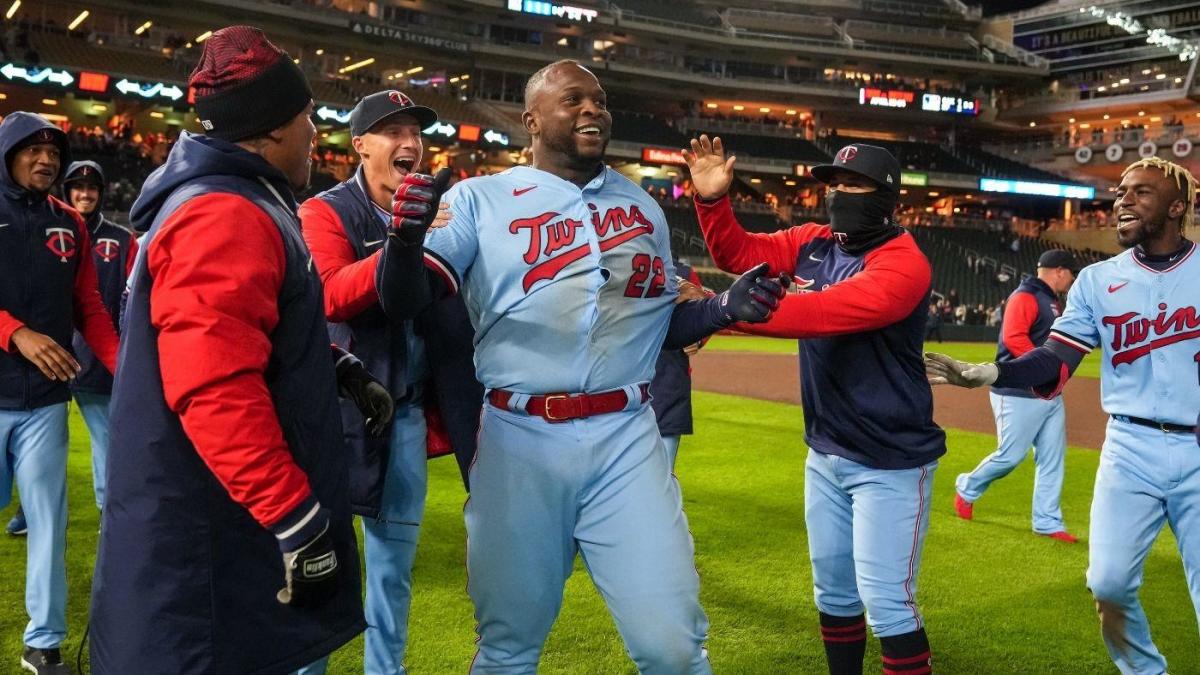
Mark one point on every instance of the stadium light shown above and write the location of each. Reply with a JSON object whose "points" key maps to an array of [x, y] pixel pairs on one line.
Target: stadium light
{"points": [[1124, 80], [789, 112], [764, 110], [49, 101], [756, 181], [78, 20], [203, 36], [414, 70], [934, 193], [99, 108], [320, 51], [1071, 121], [1105, 115], [156, 115], [356, 65], [1085, 125], [1033, 124], [739, 108], [1160, 76], [12, 9], [464, 76], [1141, 113], [712, 106]]}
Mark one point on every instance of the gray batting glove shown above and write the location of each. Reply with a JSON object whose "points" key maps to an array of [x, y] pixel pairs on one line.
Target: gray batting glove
{"points": [[941, 369]]}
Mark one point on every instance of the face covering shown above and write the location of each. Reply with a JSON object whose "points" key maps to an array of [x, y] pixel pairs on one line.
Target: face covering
{"points": [[861, 220]]}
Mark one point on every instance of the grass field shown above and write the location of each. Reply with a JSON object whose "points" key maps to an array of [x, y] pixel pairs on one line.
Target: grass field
{"points": [[973, 352], [996, 598]]}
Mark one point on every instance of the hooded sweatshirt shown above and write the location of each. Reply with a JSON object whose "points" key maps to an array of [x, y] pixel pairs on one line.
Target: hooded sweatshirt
{"points": [[113, 251], [46, 285]]}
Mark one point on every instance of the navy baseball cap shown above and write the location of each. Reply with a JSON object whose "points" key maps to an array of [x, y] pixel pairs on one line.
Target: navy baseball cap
{"points": [[871, 161], [1057, 257], [373, 109]]}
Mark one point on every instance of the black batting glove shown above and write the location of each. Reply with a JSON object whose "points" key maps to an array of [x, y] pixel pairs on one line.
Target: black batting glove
{"points": [[415, 205], [310, 572], [752, 297], [373, 399]]}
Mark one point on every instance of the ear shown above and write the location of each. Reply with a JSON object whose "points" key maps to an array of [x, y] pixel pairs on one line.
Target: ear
{"points": [[1177, 209], [530, 122], [356, 142]]}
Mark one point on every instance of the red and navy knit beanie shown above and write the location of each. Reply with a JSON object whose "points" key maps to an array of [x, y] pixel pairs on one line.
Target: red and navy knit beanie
{"points": [[245, 86]]}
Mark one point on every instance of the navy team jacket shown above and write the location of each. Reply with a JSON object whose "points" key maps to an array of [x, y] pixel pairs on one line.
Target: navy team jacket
{"points": [[671, 387], [1028, 316], [860, 321], [226, 435], [346, 235]]}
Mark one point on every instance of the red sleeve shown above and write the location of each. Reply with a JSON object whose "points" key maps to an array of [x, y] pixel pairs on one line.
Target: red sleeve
{"points": [[91, 318], [349, 282], [694, 277], [131, 256], [736, 250], [894, 280], [1019, 315], [9, 324], [218, 265]]}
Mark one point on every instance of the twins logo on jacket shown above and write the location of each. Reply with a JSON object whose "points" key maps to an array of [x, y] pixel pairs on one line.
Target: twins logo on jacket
{"points": [[544, 249], [1149, 322]]}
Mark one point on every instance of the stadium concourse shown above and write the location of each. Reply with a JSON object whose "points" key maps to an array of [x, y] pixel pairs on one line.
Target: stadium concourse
{"points": [[1011, 127]]}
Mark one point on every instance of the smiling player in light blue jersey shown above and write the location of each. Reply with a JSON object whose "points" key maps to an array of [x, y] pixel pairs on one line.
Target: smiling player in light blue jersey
{"points": [[1142, 308], [565, 267]]}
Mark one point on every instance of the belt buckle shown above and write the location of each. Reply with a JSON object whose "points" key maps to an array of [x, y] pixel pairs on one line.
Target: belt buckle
{"points": [[546, 405]]}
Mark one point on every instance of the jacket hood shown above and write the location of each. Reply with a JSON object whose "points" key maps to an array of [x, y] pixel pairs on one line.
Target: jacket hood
{"points": [[196, 156], [89, 170], [17, 127]]}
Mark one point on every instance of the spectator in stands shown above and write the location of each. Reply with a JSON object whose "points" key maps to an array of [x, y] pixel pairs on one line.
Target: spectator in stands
{"points": [[952, 298], [933, 323]]}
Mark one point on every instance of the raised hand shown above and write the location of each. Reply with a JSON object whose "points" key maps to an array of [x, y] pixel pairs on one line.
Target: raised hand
{"points": [[942, 369], [417, 205], [712, 173]]}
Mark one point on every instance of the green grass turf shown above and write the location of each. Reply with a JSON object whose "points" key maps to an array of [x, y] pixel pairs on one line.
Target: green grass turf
{"points": [[973, 352], [996, 598]]}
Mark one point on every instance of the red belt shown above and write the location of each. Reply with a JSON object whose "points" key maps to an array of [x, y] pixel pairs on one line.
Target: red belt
{"points": [[563, 407]]}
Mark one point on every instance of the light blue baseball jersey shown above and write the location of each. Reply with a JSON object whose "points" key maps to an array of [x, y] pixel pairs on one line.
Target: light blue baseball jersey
{"points": [[570, 289], [1148, 325]]}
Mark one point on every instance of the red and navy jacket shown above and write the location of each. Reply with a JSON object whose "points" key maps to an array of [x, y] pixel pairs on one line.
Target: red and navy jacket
{"points": [[226, 439], [861, 325], [114, 249], [47, 282], [671, 388], [1028, 316], [346, 235]]}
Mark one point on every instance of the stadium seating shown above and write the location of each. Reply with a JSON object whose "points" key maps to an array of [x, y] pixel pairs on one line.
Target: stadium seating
{"points": [[645, 128], [912, 155], [790, 23], [684, 11], [772, 147], [64, 50], [987, 164]]}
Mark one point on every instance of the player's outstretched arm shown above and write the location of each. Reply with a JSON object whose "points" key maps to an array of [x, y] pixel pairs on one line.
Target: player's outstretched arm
{"points": [[751, 299], [711, 171]]}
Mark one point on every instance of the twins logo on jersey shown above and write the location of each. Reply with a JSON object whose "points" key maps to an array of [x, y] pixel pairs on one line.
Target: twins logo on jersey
{"points": [[107, 249], [61, 242], [552, 236], [1135, 336]]}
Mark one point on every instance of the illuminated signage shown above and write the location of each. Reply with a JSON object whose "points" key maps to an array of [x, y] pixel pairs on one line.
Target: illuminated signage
{"points": [[949, 104], [493, 136], [914, 178], [551, 9], [150, 89], [1022, 187], [885, 98], [35, 75], [441, 129], [333, 115], [402, 35], [662, 156], [97, 82], [469, 133], [803, 170]]}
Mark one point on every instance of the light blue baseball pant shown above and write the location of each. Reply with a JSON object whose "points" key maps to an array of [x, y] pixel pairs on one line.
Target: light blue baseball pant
{"points": [[671, 445], [1021, 423], [94, 408], [390, 546], [35, 453], [866, 530], [600, 486], [1146, 478]]}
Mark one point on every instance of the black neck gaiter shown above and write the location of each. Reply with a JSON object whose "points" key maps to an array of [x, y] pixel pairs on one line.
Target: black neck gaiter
{"points": [[861, 220]]}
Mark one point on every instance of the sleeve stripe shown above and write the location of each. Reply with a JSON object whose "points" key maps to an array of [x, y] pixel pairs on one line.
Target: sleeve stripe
{"points": [[312, 513], [444, 269], [1072, 342]]}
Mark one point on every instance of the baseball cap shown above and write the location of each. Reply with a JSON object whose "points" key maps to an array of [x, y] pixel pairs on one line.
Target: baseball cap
{"points": [[84, 172], [372, 110], [871, 161], [1057, 257]]}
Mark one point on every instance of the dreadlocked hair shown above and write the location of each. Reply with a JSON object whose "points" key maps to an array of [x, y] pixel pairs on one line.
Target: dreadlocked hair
{"points": [[1183, 178]]}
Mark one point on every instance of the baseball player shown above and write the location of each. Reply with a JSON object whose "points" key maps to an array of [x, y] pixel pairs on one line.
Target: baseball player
{"points": [[1022, 418], [227, 472], [1140, 308], [346, 230], [671, 388], [43, 245], [566, 270], [868, 411]]}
